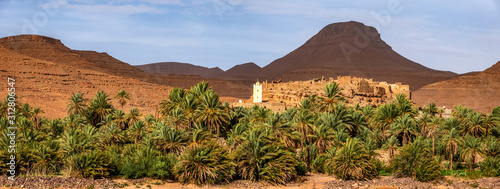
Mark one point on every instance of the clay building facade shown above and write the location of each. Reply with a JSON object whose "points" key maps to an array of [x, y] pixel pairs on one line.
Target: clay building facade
{"points": [[278, 96]]}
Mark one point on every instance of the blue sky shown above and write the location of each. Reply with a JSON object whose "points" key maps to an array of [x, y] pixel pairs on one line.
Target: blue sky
{"points": [[455, 35]]}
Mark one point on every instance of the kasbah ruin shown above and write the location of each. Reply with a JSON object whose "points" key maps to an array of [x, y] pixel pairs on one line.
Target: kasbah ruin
{"points": [[278, 96]]}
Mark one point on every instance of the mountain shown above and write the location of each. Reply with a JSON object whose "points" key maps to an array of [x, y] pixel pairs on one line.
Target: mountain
{"points": [[345, 48], [479, 91], [47, 73], [180, 69], [242, 70], [49, 85], [53, 50], [351, 48]]}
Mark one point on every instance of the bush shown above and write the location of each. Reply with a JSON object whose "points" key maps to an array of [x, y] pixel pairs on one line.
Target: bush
{"points": [[205, 164], [428, 170], [353, 162], [301, 168], [258, 158], [94, 164], [416, 160], [147, 162], [490, 166], [324, 162]]}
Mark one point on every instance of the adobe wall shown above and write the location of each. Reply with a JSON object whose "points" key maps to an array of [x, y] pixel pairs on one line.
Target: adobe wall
{"points": [[354, 90]]}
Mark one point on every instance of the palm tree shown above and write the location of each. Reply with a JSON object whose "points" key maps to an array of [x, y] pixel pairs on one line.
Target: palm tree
{"points": [[133, 116], [452, 142], [113, 134], [150, 119], [258, 158], [200, 89], [460, 112], [73, 141], [36, 113], [472, 147], [178, 118], [138, 131], [492, 147], [211, 112], [405, 126], [357, 122], [303, 124], [496, 111], [385, 115], [189, 105], [392, 144], [175, 97], [432, 131], [120, 118], [422, 121], [99, 108], [431, 109], [76, 104], [450, 123], [282, 131], [377, 135], [205, 164], [323, 137], [414, 160], [491, 122], [74, 121], [170, 139], [27, 111], [48, 157], [122, 96], [260, 115], [404, 104], [474, 125], [352, 162], [331, 91], [440, 111], [306, 104], [329, 120]]}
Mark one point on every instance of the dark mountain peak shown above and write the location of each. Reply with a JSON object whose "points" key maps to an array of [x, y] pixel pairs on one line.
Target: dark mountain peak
{"points": [[245, 66], [353, 33], [351, 48], [245, 69]]}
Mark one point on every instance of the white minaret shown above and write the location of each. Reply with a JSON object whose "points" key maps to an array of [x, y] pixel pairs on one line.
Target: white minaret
{"points": [[257, 93]]}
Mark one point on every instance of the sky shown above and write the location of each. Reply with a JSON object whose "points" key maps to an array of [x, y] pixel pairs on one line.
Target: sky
{"points": [[453, 35]]}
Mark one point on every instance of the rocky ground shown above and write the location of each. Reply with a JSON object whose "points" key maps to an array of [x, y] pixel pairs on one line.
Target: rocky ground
{"points": [[56, 182], [312, 181], [390, 182]]}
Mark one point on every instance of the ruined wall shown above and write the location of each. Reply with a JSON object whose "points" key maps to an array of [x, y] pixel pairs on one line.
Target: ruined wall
{"points": [[354, 90]]}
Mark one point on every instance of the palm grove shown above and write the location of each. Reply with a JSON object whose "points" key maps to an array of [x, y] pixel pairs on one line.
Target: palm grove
{"points": [[198, 139]]}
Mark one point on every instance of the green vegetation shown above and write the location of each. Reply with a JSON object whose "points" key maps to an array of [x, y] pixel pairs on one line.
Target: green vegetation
{"points": [[198, 139]]}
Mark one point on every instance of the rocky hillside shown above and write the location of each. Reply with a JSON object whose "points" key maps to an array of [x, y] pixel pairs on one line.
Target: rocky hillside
{"points": [[49, 85], [352, 48], [53, 50], [479, 91], [47, 73], [180, 69]]}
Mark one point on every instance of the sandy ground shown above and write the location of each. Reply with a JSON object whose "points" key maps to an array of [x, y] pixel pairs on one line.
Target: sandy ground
{"points": [[308, 182], [311, 181]]}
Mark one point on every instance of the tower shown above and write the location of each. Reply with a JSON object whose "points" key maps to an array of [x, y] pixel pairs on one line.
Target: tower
{"points": [[257, 93]]}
